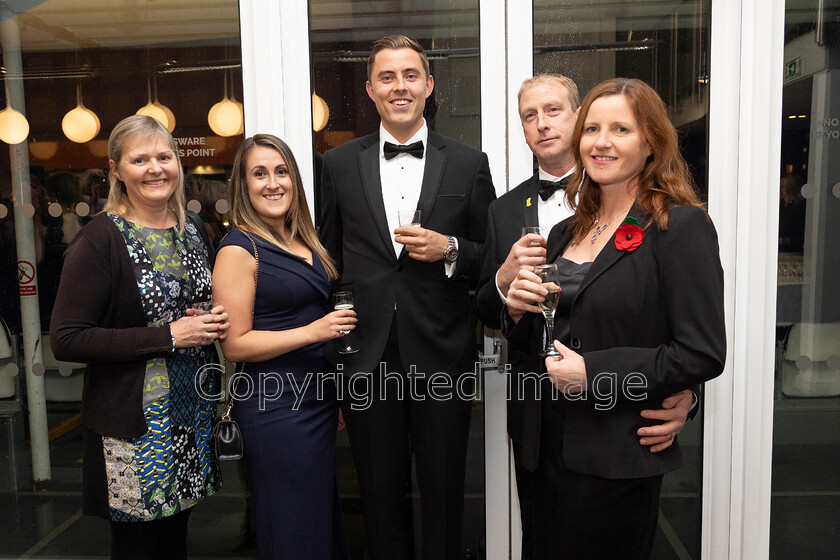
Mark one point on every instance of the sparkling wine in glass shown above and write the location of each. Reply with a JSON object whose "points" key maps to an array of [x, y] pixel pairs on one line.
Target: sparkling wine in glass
{"points": [[550, 280], [344, 300]]}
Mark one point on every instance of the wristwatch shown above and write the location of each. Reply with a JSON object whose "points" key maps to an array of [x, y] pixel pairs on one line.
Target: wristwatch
{"points": [[450, 255]]}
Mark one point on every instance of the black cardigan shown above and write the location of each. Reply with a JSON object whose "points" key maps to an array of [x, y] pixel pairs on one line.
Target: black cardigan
{"points": [[98, 319]]}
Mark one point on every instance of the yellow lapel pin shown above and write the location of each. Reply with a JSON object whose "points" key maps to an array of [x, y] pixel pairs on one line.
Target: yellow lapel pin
{"points": [[528, 202]]}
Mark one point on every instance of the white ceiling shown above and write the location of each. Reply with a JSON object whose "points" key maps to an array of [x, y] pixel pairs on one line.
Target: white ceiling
{"points": [[60, 25]]}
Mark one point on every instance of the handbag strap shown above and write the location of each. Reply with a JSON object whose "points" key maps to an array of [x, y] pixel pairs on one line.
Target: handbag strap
{"points": [[230, 400]]}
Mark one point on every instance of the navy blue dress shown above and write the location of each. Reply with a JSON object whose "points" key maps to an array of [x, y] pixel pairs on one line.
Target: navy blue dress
{"points": [[288, 414]]}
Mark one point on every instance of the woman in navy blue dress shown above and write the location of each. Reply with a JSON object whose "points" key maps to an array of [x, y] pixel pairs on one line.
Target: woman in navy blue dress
{"points": [[286, 399]]}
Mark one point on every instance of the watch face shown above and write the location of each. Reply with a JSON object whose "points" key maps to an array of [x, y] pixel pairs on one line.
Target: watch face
{"points": [[450, 255]]}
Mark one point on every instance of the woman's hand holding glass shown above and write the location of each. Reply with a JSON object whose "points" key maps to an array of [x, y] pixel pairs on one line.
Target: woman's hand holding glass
{"points": [[335, 324], [199, 327], [567, 369]]}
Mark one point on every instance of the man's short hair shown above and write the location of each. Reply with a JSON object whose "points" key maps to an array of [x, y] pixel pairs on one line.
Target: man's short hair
{"points": [[566, 82], [397, 42]]}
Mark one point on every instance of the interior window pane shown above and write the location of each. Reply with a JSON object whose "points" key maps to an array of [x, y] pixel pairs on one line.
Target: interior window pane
{"points": [[100, 56], [805, 514], [98, 61], [341, 34]]}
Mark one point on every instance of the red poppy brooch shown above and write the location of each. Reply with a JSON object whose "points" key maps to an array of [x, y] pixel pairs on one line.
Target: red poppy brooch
{"points": [[629, 235]]}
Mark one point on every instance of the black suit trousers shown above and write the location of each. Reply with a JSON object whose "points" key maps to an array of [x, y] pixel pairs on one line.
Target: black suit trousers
{"points": [[390, 416], [583, 517]]}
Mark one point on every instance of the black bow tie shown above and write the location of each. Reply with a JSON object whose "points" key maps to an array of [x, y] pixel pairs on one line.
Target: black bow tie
{"points": [[392, 150], [548, 188]]}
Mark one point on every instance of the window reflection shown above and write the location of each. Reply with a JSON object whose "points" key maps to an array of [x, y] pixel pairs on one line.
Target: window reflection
{"points": [[79, 67], [664, 43], [806, 456], [341, 34]]}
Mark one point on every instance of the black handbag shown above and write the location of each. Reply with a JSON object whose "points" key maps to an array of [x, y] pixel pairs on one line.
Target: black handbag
{"points": [[226, 440]]}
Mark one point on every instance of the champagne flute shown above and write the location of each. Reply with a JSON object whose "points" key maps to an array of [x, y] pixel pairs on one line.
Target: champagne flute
{"points": [[344, 300], [550, 280]]}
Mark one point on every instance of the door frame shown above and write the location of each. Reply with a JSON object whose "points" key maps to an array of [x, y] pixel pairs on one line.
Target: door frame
{"points": [[747, 57]]}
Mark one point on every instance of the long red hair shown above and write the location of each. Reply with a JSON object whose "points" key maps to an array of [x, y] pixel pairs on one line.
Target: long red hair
{"points": [[664, 181]]}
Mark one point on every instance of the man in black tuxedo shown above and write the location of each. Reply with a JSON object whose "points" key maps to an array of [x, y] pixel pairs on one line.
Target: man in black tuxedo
{"points": [[416, 325], [548, 105]]}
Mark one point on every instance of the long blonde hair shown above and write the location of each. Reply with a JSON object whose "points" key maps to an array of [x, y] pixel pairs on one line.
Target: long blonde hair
{"points": [[664, 181], [298, 219], [146, 128]]}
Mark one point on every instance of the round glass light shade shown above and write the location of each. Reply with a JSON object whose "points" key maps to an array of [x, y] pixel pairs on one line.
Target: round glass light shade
{"points": [[80, 124], [14, 128], [170, 116], [43, 150], [152, 110], [225, 118], [241, 110], [320, 113]]}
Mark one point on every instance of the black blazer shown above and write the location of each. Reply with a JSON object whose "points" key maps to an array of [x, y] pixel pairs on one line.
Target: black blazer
{"points": [[435, 319], [654, 315]]}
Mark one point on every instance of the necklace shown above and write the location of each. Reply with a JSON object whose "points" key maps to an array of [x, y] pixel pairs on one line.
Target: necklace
{"points": [[600, 229], [286, 240]]}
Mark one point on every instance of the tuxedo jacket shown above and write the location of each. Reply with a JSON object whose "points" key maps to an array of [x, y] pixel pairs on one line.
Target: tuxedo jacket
{"points": [[505, 219], [435, 321], [648, 323]]}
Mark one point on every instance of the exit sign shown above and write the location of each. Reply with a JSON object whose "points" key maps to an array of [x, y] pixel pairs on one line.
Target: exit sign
{"points": [[793, 68]]}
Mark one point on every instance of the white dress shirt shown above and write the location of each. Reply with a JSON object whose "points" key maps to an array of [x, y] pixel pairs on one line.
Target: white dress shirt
{"points": [[556, 208], [402, 181]]}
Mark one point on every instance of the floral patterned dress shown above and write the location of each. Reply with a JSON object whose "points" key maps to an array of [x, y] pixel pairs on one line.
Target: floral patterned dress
{"points": [[171, 467]]}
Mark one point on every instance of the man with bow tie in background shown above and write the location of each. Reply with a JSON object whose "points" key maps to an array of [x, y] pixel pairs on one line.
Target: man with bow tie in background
{"points": [[548, 106], [411, 289]]}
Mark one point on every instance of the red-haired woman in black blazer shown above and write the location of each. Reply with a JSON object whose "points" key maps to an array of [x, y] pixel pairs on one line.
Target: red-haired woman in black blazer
{"points": [[640, 317]]}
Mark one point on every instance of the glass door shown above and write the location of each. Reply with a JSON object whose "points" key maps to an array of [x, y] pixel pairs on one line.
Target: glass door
{"points": [[805, 513]]}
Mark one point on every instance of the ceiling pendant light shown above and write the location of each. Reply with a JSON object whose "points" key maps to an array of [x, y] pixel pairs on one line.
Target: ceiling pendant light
{"points": [[320, 112], [241, 112], [80, 124], [14, 128], [152, 110], [170, 116], [226, 117]]}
